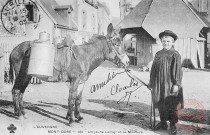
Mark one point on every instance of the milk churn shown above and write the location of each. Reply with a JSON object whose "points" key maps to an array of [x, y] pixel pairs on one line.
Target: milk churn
{"points": [[42, 56]]}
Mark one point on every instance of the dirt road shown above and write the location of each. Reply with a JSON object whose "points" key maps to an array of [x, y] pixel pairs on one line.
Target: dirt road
{"points": [[104, 107]]}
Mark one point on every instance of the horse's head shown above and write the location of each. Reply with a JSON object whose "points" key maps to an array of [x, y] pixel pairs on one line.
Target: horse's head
{"points": [[117, 53]]}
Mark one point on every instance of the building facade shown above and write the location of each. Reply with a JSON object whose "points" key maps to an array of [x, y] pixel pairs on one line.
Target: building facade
{"points": [[23, 20], [104, 18], [126, 6], [39, 17], [80, 18], [203, 9], [84, 14], [91, 17]]}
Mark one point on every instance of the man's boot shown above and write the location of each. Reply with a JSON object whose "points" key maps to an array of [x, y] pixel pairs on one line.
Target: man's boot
{"points": [[161, 125], [173, 129]]}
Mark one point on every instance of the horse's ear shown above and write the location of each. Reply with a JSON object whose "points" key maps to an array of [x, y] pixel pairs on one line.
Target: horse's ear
{"points": [[28, 52], [110, 30]]}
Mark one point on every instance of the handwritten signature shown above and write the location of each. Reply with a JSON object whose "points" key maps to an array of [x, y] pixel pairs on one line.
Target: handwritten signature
{"points": [[116, 89], [98, 86]]}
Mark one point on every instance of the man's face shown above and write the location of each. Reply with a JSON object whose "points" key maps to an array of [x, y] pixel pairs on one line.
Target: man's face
{"points": [[167, 42]]}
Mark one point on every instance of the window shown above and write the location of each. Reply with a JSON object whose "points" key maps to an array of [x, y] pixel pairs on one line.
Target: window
{"points": [[33, 15], [203, 6], [84, 16]]}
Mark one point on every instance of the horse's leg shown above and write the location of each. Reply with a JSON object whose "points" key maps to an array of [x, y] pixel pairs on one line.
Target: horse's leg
{"points": [[72, 97], [78, 102], [16, 91], [21, 82], [16, 98], [25, 84], [17, 94]]}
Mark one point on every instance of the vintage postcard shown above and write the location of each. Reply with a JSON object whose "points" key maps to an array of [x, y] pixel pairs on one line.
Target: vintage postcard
{"points": [[104, 67]]}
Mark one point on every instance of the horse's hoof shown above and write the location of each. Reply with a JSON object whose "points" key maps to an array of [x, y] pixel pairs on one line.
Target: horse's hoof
{"points": [[80, 118], [68, 117], [21, 118], [71, 121]]}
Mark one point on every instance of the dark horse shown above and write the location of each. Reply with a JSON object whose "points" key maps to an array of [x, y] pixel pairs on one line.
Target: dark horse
{"points": [[79, 64]]}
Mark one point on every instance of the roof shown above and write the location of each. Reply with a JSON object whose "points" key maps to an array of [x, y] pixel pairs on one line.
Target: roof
{"points": [[59, 17], [202, 19], [156, 16], [136, 17]]}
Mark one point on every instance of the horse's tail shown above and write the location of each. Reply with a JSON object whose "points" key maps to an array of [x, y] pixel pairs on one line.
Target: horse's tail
{"points": [[11, 74]]}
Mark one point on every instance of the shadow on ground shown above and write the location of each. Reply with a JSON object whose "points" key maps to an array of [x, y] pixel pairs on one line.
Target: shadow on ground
{"points": [[137, 114], [134, 113], [126, 114], [6, 106]]}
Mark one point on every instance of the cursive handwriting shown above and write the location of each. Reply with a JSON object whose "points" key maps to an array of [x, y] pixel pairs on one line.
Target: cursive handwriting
{"points": [[127, 94], [117, 89], [98, 86]]}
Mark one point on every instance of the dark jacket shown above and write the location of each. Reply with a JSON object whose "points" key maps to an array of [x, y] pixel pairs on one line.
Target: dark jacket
{"points": [[165, 73]]}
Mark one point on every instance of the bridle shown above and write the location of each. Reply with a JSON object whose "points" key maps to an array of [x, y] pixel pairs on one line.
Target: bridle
{"points": [[111, 41]]}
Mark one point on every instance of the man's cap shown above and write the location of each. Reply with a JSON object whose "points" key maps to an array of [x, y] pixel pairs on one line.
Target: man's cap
{"points": [[168, 33]]}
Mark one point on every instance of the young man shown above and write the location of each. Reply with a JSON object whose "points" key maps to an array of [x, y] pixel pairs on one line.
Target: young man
{"points": [[165, 82]]}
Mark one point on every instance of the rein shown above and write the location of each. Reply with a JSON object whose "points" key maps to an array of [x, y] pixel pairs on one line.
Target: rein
{"points": [[135, 78], [152, 110]]}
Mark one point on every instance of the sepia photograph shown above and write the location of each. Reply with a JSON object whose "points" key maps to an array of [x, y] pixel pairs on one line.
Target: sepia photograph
{"points": [[104, 67]]}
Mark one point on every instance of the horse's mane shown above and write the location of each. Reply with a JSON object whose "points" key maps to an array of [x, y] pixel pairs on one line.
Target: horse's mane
{"points": [[97, 44], [95, 38]]}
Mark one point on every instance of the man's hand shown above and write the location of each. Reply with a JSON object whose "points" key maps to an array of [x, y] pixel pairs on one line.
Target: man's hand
{"points": [[175, 88], [175, 91]]}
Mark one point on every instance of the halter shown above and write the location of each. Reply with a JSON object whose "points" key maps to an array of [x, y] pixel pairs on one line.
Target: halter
{"points": [[110, 41]]}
